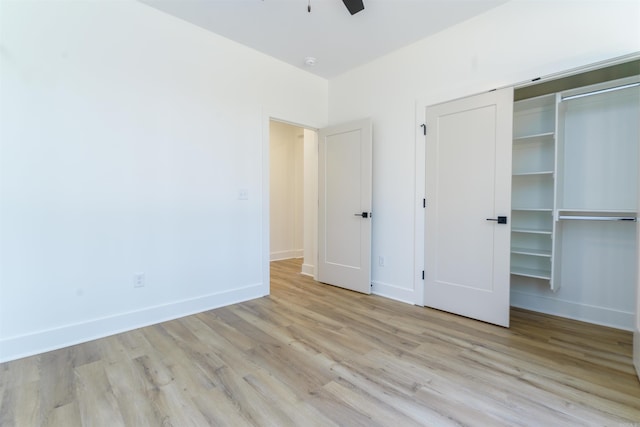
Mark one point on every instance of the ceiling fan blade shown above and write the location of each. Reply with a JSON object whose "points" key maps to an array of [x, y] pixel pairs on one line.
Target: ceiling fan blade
{"points": [[354, 6]]}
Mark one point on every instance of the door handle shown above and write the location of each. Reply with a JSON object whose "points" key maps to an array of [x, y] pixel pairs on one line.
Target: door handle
{"points": [[363, 214], [500, 219]]}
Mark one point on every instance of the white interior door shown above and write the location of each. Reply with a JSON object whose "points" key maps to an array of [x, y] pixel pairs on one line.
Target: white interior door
{"points": [[344, 214], [468, 187]]}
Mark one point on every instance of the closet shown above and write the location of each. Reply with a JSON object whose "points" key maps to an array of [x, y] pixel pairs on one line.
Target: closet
{"points": [[574, 195], [561, 236]]}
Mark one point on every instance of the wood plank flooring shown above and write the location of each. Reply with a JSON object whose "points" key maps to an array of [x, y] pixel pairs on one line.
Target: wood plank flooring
{"points": [[316, 355]]}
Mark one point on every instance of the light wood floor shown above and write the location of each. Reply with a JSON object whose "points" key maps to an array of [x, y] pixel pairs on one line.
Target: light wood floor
{"points": [[315, 355]]}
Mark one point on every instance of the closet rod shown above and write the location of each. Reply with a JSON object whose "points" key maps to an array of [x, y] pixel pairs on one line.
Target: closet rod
{"points": [[595, 92], [599, 218]]}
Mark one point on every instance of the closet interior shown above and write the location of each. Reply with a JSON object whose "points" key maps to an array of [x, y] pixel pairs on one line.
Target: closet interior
{"points": [[575, 192]]}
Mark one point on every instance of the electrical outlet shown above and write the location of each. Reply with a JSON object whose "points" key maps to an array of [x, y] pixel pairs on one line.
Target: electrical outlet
{"points": [[138, 280], [243, 194], [381, 261]]}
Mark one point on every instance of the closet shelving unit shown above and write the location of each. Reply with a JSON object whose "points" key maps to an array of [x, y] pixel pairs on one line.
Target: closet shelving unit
{"points": [[533, 187], [574, 184]]}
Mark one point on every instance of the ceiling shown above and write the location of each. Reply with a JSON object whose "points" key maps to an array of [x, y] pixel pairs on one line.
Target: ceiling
{"points": [[339, 41]]}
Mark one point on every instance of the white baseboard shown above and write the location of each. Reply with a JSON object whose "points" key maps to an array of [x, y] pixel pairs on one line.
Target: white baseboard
{"points": [[587, 313], [308, 270], [393, 292], [294, 253], [52, 339]]}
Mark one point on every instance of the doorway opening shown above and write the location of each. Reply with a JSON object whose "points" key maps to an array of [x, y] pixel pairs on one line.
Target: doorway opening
{"points": [[337, 187], [293, 194]]}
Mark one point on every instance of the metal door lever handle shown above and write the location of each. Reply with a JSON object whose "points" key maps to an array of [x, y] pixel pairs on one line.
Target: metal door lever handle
{"points": [[363, 214], [500, 219]]}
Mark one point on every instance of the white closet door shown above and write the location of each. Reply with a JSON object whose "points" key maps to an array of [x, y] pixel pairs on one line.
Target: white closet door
{"points": [[468, 184]]}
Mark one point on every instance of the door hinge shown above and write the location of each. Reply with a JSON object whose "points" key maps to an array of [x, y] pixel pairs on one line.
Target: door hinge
{"points": [[422, 274], [424, 128], [424, 203]]}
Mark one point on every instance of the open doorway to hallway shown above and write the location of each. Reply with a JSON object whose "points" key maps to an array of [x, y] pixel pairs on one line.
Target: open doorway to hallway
{"points": [[293, 200]]}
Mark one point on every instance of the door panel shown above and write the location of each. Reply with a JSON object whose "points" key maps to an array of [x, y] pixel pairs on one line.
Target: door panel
{"points": [[471, 181], [468, 182], [344, 190], [343, 186]]}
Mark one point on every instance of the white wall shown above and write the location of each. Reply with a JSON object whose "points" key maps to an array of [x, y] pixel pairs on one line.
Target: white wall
{"points": [[126, 136], [286, 153], [515, 42]]}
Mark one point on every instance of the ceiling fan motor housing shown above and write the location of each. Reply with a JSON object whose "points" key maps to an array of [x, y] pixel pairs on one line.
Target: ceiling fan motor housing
{"points": [[354, 6]]}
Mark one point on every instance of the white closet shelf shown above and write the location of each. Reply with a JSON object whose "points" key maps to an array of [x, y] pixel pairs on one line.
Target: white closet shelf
{"points": [[532, 252], [531, 272], [538, 102], [530, 231], [598, 218], [597, 215], [537, 136], [601, 212], [547, 172]]}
